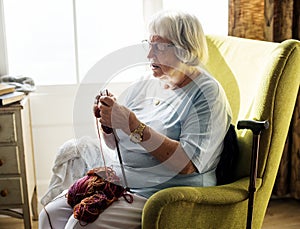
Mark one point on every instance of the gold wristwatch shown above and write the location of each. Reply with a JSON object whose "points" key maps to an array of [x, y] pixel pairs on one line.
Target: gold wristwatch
{"points": [[136, 135]]}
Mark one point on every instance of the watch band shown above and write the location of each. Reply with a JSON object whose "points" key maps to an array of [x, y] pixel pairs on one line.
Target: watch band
{"points": [[136, 135]]}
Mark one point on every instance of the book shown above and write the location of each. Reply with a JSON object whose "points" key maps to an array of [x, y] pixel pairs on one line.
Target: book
{"points": [[6, 88], [11, 98]]}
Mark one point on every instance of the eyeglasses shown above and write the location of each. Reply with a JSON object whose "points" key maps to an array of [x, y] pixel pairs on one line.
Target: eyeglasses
{"points": [[157, 47]]}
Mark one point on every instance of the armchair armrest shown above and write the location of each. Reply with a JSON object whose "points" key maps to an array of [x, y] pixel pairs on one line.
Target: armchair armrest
{"points": [[167, 206], [232, 193]]}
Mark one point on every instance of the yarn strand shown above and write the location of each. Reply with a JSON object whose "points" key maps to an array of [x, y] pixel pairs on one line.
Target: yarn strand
{"points": [[100, 146]]}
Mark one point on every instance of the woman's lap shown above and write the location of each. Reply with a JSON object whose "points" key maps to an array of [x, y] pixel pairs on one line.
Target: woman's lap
{"points": [[120, 214]]}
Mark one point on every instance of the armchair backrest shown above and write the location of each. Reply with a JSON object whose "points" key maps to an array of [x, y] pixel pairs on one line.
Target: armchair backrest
{"points": [[261, 80]]}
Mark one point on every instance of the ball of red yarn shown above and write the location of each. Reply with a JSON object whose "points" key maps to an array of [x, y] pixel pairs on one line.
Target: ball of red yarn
{"points": [[90, 207], [90, 195], [78, 191]]}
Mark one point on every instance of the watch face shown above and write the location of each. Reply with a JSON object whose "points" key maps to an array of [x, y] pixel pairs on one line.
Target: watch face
{"points": [[135, 137]]}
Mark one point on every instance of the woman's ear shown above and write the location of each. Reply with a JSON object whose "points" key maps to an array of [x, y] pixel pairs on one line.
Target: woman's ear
{"points": [[186, 56], [182, 54]]}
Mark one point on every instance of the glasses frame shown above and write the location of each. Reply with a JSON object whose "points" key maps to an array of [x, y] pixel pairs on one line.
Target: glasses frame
{"points": [[157, 47]]}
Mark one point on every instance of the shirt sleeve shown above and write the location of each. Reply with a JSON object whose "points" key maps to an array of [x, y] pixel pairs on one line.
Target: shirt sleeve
{"points": [[204, 128]]}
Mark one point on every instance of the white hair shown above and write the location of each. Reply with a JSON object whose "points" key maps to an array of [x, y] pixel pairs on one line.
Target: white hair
{"points": [[185, 32]]}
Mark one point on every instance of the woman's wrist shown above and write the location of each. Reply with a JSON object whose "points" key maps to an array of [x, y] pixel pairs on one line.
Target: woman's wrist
{"points": [[133, 122]]}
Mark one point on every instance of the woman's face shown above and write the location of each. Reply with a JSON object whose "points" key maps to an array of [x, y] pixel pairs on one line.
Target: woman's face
{"points": [[164, 62]]}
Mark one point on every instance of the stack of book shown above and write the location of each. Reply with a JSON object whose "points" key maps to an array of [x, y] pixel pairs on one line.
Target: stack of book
{"points": [[9, 95]]}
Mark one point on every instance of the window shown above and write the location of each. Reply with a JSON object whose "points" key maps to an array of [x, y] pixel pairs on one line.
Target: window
{"points": [[57, 42], [40, 40], [104, 28]]}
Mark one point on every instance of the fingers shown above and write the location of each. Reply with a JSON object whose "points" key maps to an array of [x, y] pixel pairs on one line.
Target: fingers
{"points": [[105, 113], [105, 120], [102, 106], [96, 101], [107, 100], [96, 111]]}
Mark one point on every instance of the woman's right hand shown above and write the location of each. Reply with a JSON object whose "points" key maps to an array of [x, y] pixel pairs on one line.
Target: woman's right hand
{"points": [[97, 110]]}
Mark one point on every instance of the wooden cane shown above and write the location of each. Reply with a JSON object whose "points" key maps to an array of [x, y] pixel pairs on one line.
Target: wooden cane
{"points": [[256, 127]]}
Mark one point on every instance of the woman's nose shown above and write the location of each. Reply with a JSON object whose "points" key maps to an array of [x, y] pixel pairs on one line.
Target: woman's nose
{"points": [[150, 53]]}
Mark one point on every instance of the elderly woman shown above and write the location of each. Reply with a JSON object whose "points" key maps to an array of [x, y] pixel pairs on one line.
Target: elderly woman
{"points": [[170, 125]]}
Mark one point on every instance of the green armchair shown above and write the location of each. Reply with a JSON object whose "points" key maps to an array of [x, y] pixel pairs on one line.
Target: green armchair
{"points": [[261, 80]]}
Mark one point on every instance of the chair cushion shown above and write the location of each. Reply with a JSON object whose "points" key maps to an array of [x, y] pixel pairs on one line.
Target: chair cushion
{"points": [[225, 171]]}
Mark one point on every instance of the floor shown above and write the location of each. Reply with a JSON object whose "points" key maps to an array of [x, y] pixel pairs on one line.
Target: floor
{"points": [[281, 214]]}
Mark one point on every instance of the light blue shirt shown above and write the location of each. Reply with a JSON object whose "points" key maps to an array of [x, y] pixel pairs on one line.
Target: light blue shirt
{"points": [[197, 115]]}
